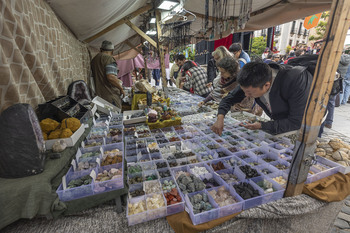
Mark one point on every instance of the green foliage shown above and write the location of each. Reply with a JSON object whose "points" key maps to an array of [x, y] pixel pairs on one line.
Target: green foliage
{"points": [[258, 45], [321, 27], [288, 48], [182, 50]]}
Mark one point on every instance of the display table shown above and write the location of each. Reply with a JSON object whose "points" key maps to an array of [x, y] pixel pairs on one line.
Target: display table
{"points": [[36, 195]]}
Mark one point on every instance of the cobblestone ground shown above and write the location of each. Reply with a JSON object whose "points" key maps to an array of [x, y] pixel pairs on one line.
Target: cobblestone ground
{"points": [[341, 129]]}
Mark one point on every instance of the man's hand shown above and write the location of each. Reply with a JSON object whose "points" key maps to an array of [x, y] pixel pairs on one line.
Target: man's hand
{"points": [[200, 104], [253, 126], [209, 84], [218, 125]]}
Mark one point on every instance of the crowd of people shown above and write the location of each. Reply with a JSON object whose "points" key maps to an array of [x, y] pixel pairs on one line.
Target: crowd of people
{"points": [[231, 79]]}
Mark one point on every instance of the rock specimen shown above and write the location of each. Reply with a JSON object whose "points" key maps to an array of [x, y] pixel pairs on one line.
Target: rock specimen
{"points": [[190, 183], [246, 190], [222, 196], [200, 203], [172, 197]]}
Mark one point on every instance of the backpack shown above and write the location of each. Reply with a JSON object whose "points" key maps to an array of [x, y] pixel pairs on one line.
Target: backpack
{"points": [[310, 61]]}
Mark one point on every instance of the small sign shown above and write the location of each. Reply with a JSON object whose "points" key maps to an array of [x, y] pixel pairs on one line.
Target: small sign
{"points": [[74, 165], [64, 182], [93, 175]]}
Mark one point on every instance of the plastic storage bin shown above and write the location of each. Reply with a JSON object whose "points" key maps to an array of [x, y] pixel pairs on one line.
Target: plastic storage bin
{"points": [[77, 192], [109, 185], [139, 217], [204, 216]]}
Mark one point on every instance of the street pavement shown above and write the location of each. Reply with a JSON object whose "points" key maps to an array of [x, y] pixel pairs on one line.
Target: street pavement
{"points": [[341, 129]]}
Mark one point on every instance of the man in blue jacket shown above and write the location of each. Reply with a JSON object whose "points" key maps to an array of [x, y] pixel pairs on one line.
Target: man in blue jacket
{"points": [[242, 57], [281, 91]]}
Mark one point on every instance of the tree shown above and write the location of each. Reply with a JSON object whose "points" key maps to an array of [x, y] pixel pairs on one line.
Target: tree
{"points": [[258, 45], [321, 27]]}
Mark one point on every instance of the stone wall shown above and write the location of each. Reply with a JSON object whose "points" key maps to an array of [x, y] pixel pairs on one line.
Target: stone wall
{"points": [[39, 55]]}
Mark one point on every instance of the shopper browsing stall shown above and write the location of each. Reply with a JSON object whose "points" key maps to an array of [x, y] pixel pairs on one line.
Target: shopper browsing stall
{"points": [[194, 79], [226, 82], [104, 71], [281, 91]]}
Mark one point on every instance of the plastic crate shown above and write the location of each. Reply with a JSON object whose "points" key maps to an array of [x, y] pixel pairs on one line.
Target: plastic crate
{"points": [[77, 192], [109, 185]]}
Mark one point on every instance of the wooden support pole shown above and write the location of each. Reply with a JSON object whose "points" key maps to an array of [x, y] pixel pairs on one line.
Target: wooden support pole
{"points": [[161, 50], [328, 60], [132, 46], [119, 22], [141, 33]]}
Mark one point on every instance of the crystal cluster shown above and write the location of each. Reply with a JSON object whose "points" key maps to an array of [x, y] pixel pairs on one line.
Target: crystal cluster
{"points": [[155, 201], [222, 196], [152, 187], [199, 170], [137, 207]]}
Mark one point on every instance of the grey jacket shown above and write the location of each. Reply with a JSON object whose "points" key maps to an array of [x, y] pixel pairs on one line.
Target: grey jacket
{"points": [[343, 64]]}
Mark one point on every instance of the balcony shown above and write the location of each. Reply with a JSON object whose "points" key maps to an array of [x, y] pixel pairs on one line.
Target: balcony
{"points": [[277, 33]]}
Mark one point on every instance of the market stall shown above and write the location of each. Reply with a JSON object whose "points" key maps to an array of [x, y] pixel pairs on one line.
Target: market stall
{"points": [[163, 170], [216, 166]]}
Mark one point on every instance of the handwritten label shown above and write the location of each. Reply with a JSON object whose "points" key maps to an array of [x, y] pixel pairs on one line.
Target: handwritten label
{"points": [[74, 164], [93, 175], [64, 182]]}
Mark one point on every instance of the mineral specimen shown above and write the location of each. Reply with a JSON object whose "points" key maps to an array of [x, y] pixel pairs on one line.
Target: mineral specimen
{"points": [[222, 196], [249, 172], [138, 207], [245, 190]]}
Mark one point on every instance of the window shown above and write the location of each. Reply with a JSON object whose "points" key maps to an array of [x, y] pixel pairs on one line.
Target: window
{"points": [[300, 31], [278, 30], [297, 43], [290, 42], [293, 30]]}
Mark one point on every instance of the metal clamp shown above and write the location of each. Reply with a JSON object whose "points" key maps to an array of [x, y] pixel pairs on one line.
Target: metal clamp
{"points": [[310, 160]]}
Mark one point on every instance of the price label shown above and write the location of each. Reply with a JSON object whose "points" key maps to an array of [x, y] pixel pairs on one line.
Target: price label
{"points": [[64, 182], [74, 164], [93, 174]]}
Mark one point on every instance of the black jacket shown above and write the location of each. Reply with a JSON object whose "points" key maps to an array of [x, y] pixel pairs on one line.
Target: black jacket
{"points": [[288, 97], [211, 70]]}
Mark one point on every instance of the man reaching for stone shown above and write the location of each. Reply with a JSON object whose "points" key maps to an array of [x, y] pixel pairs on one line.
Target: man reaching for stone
{"points": [[281, 91]]}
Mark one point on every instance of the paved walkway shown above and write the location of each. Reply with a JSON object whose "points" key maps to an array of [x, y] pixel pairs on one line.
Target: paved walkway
{"points": [[341, 129]]}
